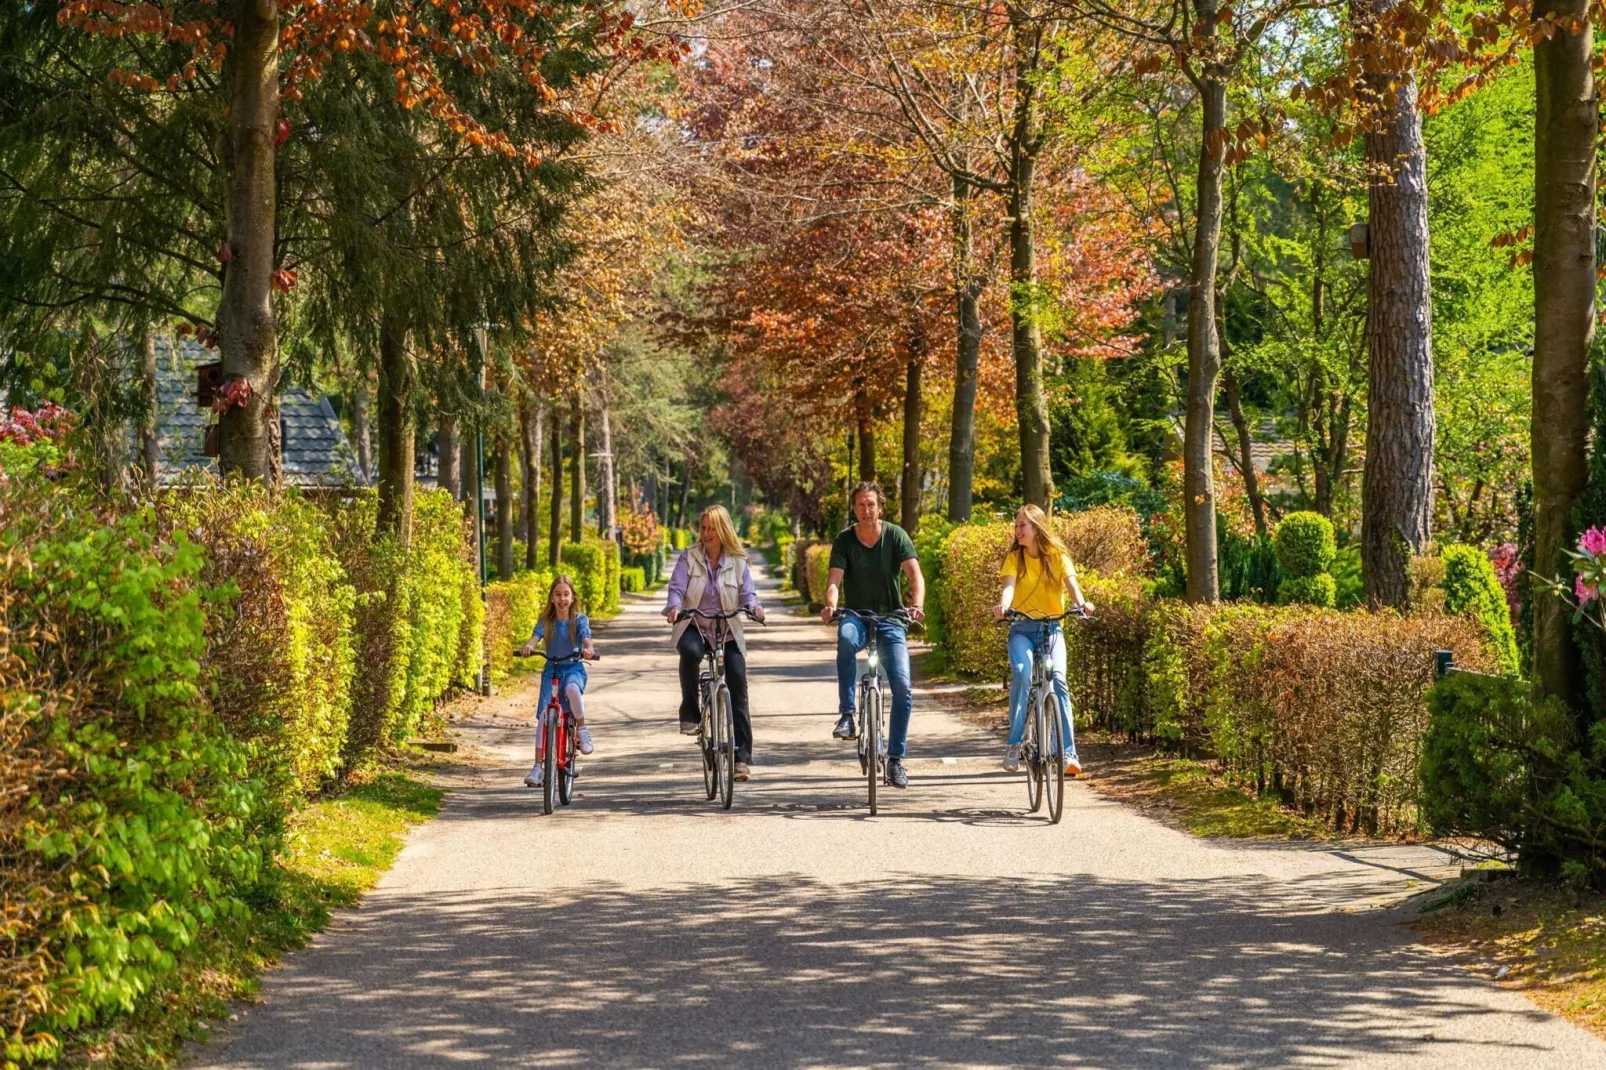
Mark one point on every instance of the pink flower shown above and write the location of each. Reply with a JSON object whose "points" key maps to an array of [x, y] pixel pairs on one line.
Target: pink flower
{"points": [[1593, 542], [1586, 592]]}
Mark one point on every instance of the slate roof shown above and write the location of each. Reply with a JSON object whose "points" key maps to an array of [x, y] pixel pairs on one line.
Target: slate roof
{"points": [[316, 451]]}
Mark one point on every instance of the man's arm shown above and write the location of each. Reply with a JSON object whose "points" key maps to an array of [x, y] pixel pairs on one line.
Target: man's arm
{"points": [[917, 587], [833, 594]]}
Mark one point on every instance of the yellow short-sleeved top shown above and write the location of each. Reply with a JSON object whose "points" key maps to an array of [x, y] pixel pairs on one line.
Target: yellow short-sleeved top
{"points": [[1037, 593]]}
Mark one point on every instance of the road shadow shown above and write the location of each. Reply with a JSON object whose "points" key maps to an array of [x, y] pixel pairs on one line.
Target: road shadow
{"points": [[917, 971]]}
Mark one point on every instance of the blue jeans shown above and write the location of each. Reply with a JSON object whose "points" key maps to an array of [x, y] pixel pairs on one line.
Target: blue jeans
{"points": [[852, 635], [1021, 648]]}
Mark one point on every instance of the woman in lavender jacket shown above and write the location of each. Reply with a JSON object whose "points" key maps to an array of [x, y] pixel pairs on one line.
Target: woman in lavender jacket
{"points": [[713, 576]]}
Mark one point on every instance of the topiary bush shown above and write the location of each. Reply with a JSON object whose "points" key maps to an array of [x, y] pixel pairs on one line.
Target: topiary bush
{"points": [[1471, 586], [131, 820], [1305, 548], [632, 580]]}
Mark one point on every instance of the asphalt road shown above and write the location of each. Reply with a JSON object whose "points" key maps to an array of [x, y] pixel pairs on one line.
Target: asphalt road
{"points": [[644, 927]]}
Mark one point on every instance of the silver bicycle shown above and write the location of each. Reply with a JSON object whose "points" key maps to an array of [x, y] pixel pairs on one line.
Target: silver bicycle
{"points": [[1043, 746], [716, 730], [873, 703]]}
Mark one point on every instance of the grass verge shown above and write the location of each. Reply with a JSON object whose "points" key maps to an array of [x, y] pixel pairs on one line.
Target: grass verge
{"points": [[1543, 940], [336, 849]]}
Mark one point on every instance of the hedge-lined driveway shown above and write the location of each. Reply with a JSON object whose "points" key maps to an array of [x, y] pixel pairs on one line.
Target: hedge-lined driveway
{"points": [[642, 927]]}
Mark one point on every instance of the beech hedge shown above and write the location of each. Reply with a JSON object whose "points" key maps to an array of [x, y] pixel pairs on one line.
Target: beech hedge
{"points": [[511, 609]]}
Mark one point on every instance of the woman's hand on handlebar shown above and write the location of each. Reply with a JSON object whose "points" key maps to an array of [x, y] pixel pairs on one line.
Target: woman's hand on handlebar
{"points": [[670, 613], [756, 611], [1086, 607]]}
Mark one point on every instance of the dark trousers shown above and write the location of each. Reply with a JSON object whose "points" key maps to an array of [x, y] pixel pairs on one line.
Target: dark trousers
{"points": [[692, 648]]}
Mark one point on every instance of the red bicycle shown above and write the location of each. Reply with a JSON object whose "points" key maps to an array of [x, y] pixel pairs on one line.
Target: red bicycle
{"points": [[558, 745]]}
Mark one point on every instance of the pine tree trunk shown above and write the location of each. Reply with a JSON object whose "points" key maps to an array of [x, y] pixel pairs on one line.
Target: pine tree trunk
{"points": [[1031, 403], [864, 428], [247, 332], [504, 508], [608, 494], [909, 490], [450, 460], [1566, 128], [396, 376], [1397, 485], [1204, 345], [577, 469], [554, 542], [361, 431], [530, 457], [150, 440], [967, 360]]}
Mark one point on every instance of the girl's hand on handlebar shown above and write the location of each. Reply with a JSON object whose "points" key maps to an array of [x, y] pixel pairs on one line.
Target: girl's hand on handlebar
{"points": [[527, 649], [999, 612]]}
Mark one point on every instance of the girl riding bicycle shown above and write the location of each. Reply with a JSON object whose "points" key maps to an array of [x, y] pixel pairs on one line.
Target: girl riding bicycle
{"points": [[1037, 574], [565, 629]]}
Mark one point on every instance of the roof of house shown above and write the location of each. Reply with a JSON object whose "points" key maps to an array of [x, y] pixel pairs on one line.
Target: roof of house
{"points": [[316, 452]]}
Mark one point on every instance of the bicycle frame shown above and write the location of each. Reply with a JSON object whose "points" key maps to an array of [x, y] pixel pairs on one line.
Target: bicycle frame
{"points": [[873, 760], [716, 741]]}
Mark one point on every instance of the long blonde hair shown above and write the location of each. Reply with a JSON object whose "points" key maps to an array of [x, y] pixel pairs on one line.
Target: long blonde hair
{"points": [[1049, 546], [728, 541], [549, 615]]}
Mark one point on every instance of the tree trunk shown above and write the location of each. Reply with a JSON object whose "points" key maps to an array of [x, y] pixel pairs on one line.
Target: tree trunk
{"points": [[608, 494], [1397, 486], [685, 494], [864, 428], [504, 508], [467, 464], [967, 359], [554, 542], [909, 490], [361, 431], [1204, 345], [530, 450], [577, 469], [247, 332], [1257, 504], [1031, 404], [1564, 319], [395, 430], [150, 427], [449, 462]]}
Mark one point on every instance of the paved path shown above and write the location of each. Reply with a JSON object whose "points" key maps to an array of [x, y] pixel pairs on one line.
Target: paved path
{"points": [[642, 927]]}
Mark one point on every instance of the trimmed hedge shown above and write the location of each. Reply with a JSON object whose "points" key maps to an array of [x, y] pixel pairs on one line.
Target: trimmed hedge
{"points": [[610, 583], [511, 609], [1306, 548], [586, 563], [817, 570], [1472, 587], [632, 580], [131, 820]]}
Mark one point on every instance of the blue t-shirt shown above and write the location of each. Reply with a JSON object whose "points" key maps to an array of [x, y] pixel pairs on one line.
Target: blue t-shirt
{"points": [[565, 640]]}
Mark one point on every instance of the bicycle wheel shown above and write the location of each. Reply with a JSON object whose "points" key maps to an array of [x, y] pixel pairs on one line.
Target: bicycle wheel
{"points": [[871, 731], [1032, 756], [571, 764], [1054, 772], [705, 746], [862, 740], [549, 769], [725, 747]]}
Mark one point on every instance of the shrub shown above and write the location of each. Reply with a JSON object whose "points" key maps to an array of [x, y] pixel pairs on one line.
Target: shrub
{"points": [[934, 531], [680, 538], [1346, 570], [511, 609], [279, 633], [1247, 566], [817, 569], [1471, 586], [131, 821], [1305, 549], [968, 562], [587, 563], [1107, 540], [1319, 590], [610, 583], [1500, 766], [632, 580], [798, 579]]}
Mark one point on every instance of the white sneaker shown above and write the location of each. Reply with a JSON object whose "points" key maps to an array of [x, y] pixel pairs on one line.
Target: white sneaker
{"points": [[585, 740], [1011, 759], [533, 778]]}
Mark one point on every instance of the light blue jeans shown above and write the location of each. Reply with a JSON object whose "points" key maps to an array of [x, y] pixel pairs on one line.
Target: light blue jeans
{"points": [[1022, 643], [852, 636]]}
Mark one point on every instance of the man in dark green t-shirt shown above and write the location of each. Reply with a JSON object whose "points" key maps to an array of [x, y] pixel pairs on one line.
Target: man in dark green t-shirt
{"points": [[866, 560]]}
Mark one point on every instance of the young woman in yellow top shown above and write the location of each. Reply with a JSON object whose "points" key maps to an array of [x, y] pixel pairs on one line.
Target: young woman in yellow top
{"points": [[1037, 575]]}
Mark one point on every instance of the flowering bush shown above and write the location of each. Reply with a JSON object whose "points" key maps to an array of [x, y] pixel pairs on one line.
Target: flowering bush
{"points": [[1507, 562], [32, 441]]}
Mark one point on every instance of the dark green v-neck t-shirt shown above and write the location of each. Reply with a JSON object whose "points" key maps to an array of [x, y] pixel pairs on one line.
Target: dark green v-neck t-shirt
{"points": [[870, 573]]}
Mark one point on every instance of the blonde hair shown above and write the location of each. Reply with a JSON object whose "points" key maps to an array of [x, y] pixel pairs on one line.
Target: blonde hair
{"points": [[727, 530], [549, 615], [1049, 546]]}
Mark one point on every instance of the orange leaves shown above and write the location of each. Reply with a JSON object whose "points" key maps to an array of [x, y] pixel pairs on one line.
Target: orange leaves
{"points": [[282, 281], [1510, 239]]}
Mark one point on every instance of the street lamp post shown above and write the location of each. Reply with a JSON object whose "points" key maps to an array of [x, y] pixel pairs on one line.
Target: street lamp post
{"points": [[481, 356]]}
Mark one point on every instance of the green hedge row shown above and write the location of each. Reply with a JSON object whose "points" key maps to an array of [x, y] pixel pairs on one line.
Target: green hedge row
{"points": [[632, 579], [511, 609]]}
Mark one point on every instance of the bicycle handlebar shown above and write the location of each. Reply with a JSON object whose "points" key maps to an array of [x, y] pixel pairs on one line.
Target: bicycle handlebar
{"points": [[578, 655], [1013, 615], [901, 614], [727, 615]]}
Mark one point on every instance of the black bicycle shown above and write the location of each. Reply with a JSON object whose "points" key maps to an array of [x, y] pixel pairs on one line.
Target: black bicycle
{"points": [[716, 728], [1043, 746], [873, 702]]}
